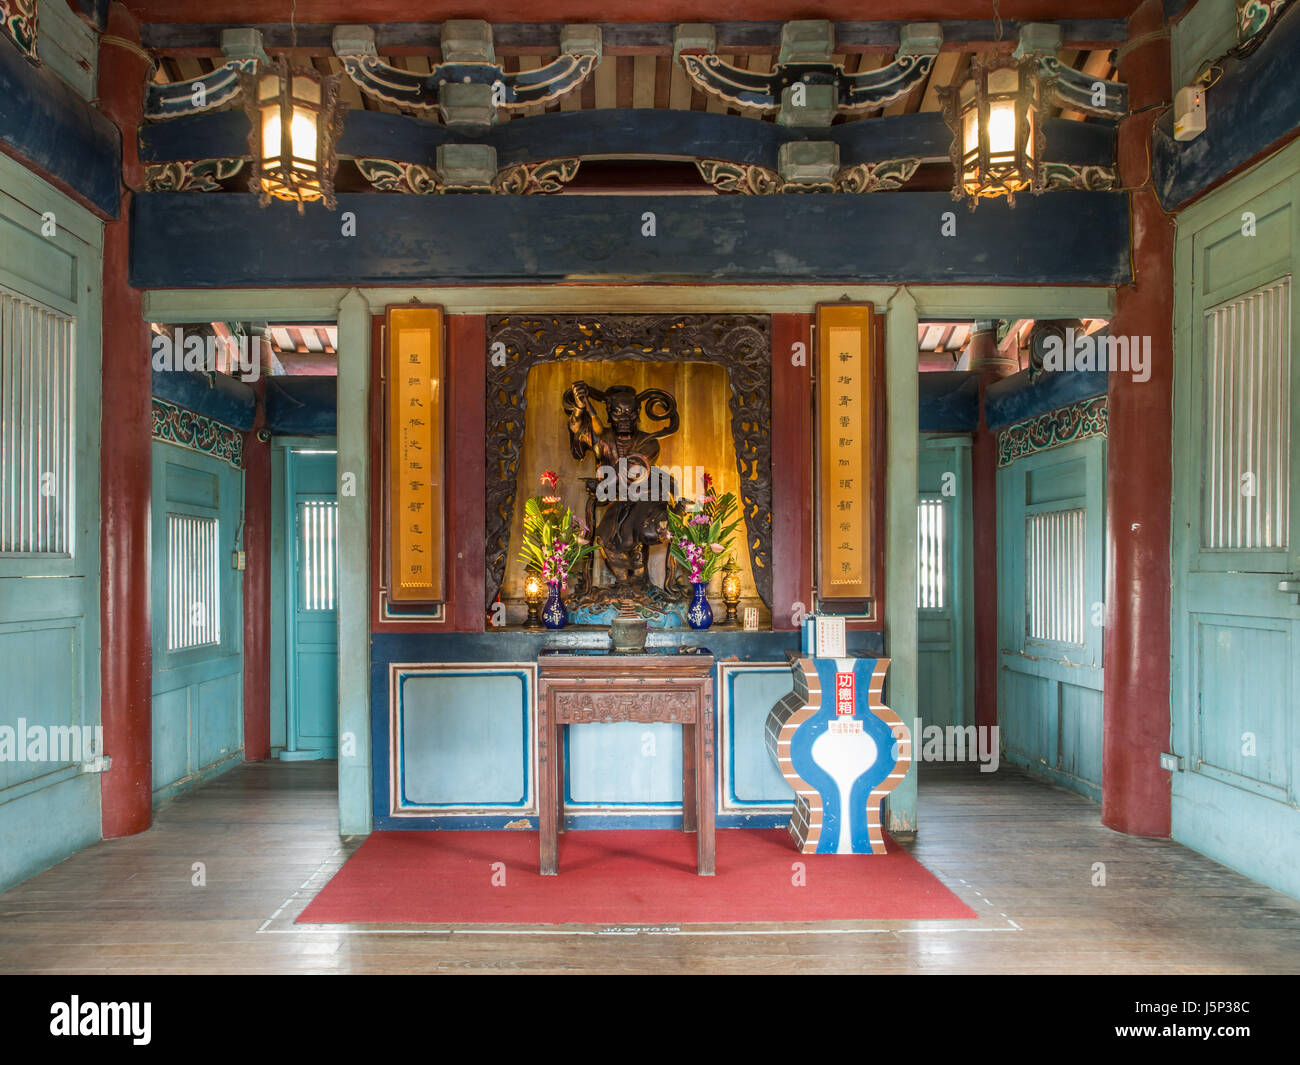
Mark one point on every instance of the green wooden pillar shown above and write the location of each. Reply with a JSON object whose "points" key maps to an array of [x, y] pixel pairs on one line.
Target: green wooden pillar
{"points": [[354, 568], [902, 400]]}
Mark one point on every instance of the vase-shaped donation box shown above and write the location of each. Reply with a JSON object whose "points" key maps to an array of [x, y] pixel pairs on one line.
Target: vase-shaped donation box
{"points": [[841, 750]]}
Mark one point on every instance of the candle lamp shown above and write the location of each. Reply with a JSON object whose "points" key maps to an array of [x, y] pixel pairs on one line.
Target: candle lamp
{"points": [[534, 593], [731, 589]]}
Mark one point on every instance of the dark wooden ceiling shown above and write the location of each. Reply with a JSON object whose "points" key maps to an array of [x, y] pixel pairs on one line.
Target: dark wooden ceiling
{"points": [[656, 81], [248, 12]]}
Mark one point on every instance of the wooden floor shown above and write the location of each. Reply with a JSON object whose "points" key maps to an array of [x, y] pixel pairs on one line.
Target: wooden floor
{"points": [[1020, 853]]}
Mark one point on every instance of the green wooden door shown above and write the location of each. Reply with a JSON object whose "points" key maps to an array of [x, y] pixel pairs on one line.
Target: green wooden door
{"points": [[311, 598], [198, 619], [1235, 682], [1051, 523], [49, 525], [943, 623]]}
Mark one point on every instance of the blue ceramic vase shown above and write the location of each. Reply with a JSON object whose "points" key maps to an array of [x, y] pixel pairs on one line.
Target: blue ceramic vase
{"points": [[555, 615], [700, 614]]}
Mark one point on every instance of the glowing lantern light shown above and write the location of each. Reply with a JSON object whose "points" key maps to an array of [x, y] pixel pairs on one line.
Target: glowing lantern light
{"points": [[296, 118], [997, 130]]}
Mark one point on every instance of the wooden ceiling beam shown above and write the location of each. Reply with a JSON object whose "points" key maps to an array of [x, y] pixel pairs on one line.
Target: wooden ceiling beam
{"points": [[296, 339], [619, 38], [1097, 65]]}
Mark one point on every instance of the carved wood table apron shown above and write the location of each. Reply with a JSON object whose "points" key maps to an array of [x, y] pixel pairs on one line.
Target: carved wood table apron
{"points": [[581, 689]]}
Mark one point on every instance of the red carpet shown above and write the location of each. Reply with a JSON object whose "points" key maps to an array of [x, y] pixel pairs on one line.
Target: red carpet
{"points": [[624, 877]]}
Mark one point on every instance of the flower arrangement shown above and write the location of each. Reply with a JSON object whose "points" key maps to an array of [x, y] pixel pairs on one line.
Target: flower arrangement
{"points": [[700, 538], [554, 541]]}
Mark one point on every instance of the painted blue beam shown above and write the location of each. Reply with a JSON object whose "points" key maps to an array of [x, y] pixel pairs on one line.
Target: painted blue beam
{"points": [[46, 125], [1015, 398], [221, 397], [219, 135], [1252, 107], [519, 645], [620, 132], [302, 406], [643, 36], [949, 401], [885, 238]]}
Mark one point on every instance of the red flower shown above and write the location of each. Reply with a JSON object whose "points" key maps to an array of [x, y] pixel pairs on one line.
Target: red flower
{"points": [[550, 480], [708, 483]]}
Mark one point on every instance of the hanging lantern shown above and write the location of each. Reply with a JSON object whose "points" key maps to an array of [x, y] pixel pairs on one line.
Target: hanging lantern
{"points": [[296, 118], [997, 129]]}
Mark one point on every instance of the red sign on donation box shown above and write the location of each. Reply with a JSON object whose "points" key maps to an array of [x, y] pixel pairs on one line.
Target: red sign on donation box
{"points": [[844, 696]]}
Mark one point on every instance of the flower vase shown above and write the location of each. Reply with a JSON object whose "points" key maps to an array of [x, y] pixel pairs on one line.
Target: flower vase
{"points": [[700, 614], [555, 615]]}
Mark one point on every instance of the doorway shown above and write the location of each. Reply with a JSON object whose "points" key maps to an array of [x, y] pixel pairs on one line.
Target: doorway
{"points": [[943, 560], [304, 539]]}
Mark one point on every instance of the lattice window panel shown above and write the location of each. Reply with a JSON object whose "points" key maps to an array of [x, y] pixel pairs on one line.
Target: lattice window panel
{"points": [[1054, 575], [318, 546], [193, 582], [931, 555], [1247, 422], [37, 453]]}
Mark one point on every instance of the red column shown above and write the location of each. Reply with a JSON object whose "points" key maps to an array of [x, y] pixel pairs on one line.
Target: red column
{"points": [[792, 468], [985, 360], [257, 588], [466, 485], [125, 648], [1135, 790], [984, 569]]}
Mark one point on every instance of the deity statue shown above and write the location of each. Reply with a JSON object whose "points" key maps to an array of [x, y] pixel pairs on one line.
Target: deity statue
{"points": [[630, 486]]}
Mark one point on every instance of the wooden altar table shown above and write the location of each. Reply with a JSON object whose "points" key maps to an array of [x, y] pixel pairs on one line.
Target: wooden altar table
{"points": [[672, 687]]}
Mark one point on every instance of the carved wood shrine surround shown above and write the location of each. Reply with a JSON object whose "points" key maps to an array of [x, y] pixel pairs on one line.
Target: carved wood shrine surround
{"points": [[742, 343]]}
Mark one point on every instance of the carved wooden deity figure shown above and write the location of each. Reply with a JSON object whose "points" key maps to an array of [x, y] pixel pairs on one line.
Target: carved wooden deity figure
{"points": [[636, 512]]}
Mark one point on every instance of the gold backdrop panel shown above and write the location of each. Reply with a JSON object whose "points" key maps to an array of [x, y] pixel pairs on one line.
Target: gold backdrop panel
{"points": [[846, 417], [414, 453], [703, 439]]}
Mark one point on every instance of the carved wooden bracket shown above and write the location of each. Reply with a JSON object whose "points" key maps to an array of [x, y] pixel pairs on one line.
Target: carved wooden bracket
{"points": [[191, 175], [469, 87], [522, 179], [753, 180], [208, 92], [805, 65]]}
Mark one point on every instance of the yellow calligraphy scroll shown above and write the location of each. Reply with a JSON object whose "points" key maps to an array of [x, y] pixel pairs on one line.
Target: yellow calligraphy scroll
{"points": [[415, 380], [846, 422]]}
